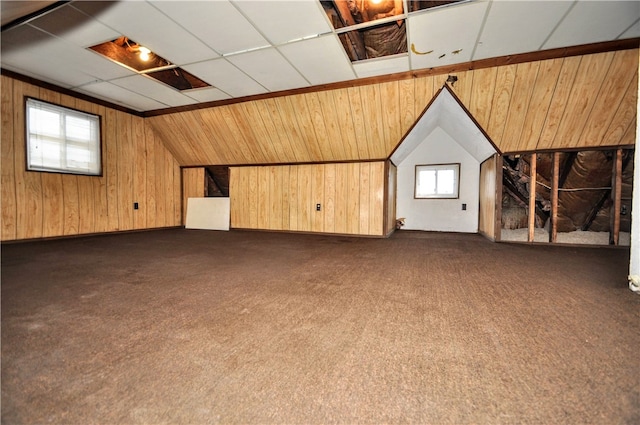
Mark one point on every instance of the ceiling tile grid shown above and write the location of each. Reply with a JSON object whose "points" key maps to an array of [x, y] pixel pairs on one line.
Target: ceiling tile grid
{"points": [[250, 47]]}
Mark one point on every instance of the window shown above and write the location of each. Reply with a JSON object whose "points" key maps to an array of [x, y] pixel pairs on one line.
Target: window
{"points": [[437, 181], [62, 140]]}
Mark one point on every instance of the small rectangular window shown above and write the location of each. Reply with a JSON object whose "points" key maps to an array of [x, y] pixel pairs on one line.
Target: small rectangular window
{"points": [[62, 140], [437, 181]]}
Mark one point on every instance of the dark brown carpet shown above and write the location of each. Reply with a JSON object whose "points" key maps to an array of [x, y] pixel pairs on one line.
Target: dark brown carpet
{"points": [[198, 327]]}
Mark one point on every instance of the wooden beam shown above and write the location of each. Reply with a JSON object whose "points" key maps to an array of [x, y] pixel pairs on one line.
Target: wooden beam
{"points": [[499, 177], [555, 182], [532, 196], [616, 197]]}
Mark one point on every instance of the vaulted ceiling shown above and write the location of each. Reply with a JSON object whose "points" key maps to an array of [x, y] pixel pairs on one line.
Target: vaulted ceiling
{"points": [[247, 48]]}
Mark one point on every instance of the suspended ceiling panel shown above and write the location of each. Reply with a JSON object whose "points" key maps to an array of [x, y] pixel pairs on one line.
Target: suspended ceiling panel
{"points": [[107, 91], [375, 67], [284, 21], [225, 76], [269, 68], [152, 89], [445, 36], [144, 23], [219, 23], [249, 47], [594, 21], [321, 60], [528, 24]]}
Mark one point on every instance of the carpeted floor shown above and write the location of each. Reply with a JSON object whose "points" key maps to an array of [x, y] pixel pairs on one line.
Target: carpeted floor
{"points": [[197, 327]]}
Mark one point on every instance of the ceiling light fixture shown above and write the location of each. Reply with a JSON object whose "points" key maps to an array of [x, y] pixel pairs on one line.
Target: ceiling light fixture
{"points": [[144, 53]]}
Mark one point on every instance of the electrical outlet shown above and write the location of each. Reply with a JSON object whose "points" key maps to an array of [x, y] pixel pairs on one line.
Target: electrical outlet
{"points": [[464, 207], [318, 206], [135, 205]]}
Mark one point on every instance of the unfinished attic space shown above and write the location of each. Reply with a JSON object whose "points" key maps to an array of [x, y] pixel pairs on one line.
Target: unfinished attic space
{"points": [[593, 201]]}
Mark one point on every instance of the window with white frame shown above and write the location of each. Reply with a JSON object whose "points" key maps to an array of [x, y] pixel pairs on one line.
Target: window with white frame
{"points": [[62, 140], [437, 181]]}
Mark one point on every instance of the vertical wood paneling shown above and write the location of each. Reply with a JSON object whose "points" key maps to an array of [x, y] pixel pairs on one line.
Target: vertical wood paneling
{"points": [[317, 197], [612, 92], [500, 104], [276, 198], [28, 184], [53, 204], [559, 101], [523, 84], [192, 187], [390, 198], [354, 186], [365, 198], [319, 128], [407, 103], [36, 204], [376, 198], [484, 82], [351, 197], [304, 119], [305, 193], [329, 205], [487, 217], [263, 193], [359, 124], [346, 125], [7, 169], [150, 199], [539, 105], [586, 88], [341, 198]]}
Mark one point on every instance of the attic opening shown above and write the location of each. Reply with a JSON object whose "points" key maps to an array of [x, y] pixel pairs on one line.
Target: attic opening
{"points": [[138, 58], [593, 206], [371, 29]]}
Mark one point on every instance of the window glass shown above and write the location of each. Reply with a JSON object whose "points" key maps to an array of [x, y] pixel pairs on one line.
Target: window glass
{"points": [[62, 140], [437, 181]]}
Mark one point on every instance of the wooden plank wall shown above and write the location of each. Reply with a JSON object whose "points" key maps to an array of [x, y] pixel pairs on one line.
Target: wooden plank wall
{"points": [[579, 101], [136, 168], [390, 198], [284, 197], [488, 197], [192, 187]]}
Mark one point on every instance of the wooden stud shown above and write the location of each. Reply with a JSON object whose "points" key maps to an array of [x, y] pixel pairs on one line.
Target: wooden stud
{"points": [[532, 196], [555, 180], [616, 195]]}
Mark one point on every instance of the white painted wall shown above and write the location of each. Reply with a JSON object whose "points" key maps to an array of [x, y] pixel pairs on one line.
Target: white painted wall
{"points": [[444, 215]]}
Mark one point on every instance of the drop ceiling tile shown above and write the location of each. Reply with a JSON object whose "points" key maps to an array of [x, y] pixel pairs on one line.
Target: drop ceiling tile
{"points": [[518, 26], [209, 94], [283, 21], [217, 23], [269, 68], [443, 32], [146, 86], [120, 96], [146, 25], [374, 67], [223, 75], [74, 26], [594, 21], [321, 60]]}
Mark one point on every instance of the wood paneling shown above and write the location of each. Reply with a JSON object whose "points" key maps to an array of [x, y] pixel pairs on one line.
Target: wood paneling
{"points": [[351, 197], [192, 187], [488, 197], [136, 167], [572, 102]]}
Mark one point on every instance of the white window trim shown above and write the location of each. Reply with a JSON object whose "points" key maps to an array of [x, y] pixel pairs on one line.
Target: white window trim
{"points": [[91, 146], [418, 192]]}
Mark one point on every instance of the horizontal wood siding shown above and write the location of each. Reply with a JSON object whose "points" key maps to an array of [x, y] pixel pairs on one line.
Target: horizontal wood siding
{"points": [[135, 164], [284, 197]]}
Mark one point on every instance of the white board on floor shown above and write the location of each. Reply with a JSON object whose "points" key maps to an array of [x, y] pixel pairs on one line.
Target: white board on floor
{"points": [[208, 213]]}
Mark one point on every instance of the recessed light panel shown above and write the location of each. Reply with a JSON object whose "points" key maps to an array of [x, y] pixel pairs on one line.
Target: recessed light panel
{"points": [[134, 56]]}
